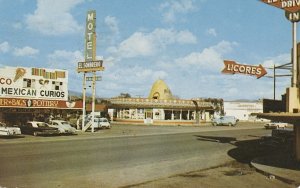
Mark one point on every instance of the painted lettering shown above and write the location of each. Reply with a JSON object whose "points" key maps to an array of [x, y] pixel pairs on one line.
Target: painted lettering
{"points": [[6, 81], [290, 3]]}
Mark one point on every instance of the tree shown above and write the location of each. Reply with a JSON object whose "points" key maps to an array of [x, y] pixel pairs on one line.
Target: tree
{"points": [[124, 95]]}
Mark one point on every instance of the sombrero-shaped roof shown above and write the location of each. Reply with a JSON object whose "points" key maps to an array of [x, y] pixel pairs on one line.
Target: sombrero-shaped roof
{"points": [[160, 90]]}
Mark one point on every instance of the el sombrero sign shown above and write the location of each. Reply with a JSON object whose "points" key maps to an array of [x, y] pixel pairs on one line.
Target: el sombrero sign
{"points": [[288, 5], [231, 67]]}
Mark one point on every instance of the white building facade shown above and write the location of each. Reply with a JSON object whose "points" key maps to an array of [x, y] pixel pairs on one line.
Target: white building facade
{"points": [[243, 110]]}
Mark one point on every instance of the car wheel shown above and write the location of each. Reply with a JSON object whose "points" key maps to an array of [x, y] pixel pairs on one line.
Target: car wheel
{"points": [[230, 124]]}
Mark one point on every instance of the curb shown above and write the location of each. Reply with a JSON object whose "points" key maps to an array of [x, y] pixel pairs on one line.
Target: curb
{"points": [[258, 164]]}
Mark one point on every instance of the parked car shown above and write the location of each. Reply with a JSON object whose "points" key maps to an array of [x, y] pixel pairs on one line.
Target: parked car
{"points": [[63, 127], [9, 131], [101, 123], [276, 125], [225, 120], [38, 128]]}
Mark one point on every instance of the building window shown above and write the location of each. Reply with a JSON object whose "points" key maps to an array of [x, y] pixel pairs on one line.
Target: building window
{"points": [[168, 114], [156, 95]]}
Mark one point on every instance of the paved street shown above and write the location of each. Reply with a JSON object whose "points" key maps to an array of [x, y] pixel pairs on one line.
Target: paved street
{"points": [[124, 155]]}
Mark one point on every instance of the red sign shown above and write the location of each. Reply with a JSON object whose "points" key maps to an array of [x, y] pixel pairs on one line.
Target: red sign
{"points": [[288, 5], [38, 103], [231, 67]]}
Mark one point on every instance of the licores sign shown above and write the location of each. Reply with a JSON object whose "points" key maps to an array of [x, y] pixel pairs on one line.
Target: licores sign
{"points": [[35, 83]]}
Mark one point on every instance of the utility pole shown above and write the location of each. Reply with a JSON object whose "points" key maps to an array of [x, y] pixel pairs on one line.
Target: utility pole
{"points": [[295, 67], [274, 86]]}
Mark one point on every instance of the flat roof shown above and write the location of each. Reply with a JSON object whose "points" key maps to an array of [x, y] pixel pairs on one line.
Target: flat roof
{"points": [[293, 118]]}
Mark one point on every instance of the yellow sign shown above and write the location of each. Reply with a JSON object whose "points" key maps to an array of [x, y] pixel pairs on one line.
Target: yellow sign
{"points": [[90, 66]]}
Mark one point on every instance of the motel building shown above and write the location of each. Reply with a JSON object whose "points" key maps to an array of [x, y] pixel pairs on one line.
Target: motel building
{"points": [[28, 94], [161, 107]]}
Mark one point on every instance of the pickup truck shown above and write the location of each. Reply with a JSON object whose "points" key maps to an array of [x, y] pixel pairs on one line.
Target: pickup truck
{"points": [[225, 120]]}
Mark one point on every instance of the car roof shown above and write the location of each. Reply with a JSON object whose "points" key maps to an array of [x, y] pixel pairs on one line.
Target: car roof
{"points": [[57, 120]]}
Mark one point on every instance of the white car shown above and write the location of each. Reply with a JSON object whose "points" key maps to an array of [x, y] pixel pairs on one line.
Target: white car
{"points": [[63, 127], [101, 123], [9, 131], [276, 125]]}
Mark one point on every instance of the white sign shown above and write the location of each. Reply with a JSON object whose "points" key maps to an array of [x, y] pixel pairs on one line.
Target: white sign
{"points": [[98, 78], [35, 83]]}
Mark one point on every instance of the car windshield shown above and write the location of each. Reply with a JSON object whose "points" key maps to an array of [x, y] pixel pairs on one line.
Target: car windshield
{"points": [[2, 124], [103, 120], [41, 124]]}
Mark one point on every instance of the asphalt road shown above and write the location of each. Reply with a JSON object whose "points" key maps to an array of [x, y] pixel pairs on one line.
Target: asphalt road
{"points": [[96, 161]]}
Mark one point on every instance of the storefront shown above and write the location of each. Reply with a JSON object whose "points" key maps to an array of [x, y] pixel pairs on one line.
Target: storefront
{"points": [[162, 108], [34, 94], [160, 111]]}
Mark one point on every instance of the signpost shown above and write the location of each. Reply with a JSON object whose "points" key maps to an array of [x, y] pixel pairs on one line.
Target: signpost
{"points": [[292, 8], [231, 67], [292, 13], [90, 64]]}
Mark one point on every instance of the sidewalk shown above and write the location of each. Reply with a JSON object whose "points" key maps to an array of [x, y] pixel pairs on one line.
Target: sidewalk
{"points": [[282, 167]]}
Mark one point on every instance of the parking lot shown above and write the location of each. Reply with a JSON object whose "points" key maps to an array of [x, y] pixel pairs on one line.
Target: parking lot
{"points": [[121, 130]]}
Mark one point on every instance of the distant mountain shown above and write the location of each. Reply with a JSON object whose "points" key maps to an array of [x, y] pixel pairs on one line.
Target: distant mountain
{"points": [[75, 93], [79, 94]]}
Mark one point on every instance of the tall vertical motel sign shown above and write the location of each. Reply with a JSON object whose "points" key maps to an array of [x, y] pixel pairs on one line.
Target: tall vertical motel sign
{"points": [[90, 65]]}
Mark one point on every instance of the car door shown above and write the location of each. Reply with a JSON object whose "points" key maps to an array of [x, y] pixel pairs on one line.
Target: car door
{"points": [[28, 128], [222, 120]]}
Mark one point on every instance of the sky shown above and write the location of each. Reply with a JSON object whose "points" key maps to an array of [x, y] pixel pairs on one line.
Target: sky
{"points": [[183, 42]]}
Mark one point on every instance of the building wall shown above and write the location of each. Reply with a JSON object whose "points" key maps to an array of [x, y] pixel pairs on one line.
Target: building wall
{"points": [[242, 110], [158, 114]]}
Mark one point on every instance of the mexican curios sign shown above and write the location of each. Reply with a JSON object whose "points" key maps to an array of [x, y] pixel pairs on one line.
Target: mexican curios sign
{"points": [[33, 83], [231, 67]]}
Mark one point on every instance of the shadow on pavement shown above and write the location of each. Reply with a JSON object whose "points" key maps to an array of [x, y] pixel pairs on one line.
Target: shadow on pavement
{"points": [[228, 140], [247, 150]]}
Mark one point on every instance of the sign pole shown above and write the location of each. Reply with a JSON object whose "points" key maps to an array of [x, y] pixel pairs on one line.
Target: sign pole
{"points": [[274, 79], [295, 67], [83, 98], [93, 100], [90, 64]]}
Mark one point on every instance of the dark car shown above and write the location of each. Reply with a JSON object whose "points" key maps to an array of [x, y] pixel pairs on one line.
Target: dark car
{"points": [[38, 128]]}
